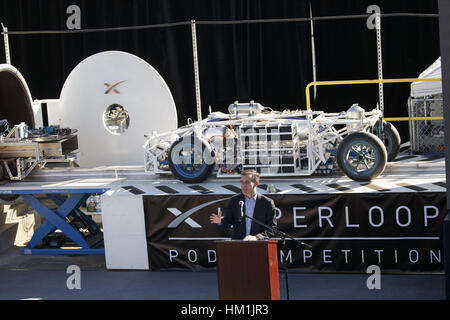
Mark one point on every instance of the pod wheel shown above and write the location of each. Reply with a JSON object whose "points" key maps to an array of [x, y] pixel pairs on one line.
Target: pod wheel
{"points": [[362, 156], [191, 160], [390, 137]]}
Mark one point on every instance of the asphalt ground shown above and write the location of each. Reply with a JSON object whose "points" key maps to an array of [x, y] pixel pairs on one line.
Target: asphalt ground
{"points": [[51, 277]]}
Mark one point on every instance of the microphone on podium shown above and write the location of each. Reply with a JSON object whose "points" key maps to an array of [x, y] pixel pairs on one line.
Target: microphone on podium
{"points": [[241, 206]]}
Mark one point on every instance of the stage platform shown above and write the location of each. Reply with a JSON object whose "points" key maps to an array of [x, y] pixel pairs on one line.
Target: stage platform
{"points": [[407, 173], [135, 205]]}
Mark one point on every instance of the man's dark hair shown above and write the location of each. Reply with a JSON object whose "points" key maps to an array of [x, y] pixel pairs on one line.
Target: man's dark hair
{"points": [[253, 174]]}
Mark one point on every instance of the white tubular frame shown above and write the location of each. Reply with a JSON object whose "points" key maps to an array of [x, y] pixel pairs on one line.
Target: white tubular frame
{"points": [[321, 131]]}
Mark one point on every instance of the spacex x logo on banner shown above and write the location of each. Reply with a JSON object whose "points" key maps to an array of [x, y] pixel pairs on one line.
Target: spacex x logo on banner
{"points": [[189, 221], [184, 216]]}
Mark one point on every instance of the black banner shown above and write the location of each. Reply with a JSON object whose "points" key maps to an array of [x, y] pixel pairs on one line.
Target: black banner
{"points": [[399, 232]]}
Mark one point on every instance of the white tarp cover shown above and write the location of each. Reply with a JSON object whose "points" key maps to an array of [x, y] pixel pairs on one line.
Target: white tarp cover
{"points": [[422, 89]]}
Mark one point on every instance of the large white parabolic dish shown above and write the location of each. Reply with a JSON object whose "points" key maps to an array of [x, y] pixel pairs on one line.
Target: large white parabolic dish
{"points": [[105, 83]]}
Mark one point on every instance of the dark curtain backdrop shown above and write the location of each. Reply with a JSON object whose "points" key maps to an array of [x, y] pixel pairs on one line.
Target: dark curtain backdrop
{"points": [[270, 63]]}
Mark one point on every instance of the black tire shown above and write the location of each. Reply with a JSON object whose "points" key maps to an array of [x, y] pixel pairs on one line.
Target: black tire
{"points": [[362, 156], [185, 161], [390, 137]]}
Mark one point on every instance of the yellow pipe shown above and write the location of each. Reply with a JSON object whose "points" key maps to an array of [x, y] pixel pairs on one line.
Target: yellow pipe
{"points": [[344, 82], [413, 118]]}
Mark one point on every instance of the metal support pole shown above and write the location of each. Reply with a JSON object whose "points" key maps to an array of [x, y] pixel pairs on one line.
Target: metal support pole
{"points": [[380, 62], [313, 50], [6, 42], [447, 253], [196, 73], [444, 34]]}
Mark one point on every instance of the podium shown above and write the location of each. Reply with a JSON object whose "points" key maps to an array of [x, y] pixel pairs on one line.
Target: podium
{"points": [[247, 270]]}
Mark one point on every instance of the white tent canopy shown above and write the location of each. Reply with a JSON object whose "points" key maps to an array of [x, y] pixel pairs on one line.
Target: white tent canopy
{"points": [[422, 89]]}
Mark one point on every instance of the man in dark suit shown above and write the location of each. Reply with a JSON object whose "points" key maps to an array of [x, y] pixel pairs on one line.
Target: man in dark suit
{"points": [[254, 205]]}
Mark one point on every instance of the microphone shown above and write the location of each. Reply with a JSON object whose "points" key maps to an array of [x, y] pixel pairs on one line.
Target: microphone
{"points": [[241, 206]]}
